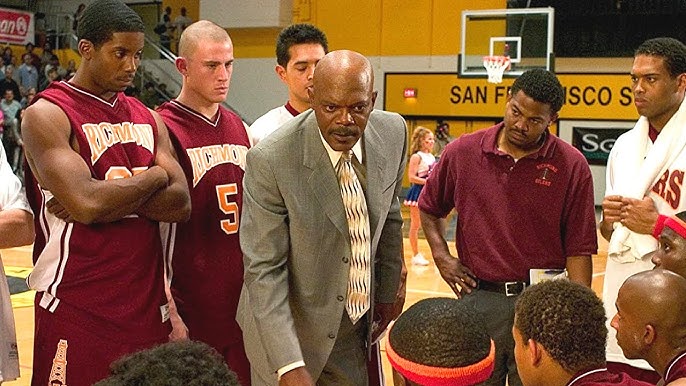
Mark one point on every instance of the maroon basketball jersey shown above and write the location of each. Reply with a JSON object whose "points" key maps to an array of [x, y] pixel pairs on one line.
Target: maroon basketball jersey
{"points": [[206, 260], [105, 274]]}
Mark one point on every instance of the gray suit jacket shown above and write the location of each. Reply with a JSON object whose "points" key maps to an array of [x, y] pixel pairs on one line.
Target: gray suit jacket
{"points": [[294, 237]]}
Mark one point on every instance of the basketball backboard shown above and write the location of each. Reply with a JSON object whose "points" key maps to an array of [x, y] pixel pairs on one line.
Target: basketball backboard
{"points": [[523, 34]]}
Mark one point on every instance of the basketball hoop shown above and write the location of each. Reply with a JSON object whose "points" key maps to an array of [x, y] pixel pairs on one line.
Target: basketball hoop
{"points": [[496, 66]]}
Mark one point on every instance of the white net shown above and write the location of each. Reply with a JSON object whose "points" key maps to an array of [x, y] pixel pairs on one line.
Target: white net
{"points": [[496, 66]]}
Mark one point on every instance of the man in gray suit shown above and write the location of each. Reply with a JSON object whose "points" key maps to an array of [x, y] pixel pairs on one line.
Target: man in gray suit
{"points": [[295, 236]]}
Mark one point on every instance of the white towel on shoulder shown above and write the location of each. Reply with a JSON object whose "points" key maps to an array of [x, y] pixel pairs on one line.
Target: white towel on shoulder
{"points": [[637, 174]]}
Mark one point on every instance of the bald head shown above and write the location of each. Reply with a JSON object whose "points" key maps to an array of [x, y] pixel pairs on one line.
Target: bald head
{"points": [[658, 298], [199, 32], [342, 97], [338, 67]]}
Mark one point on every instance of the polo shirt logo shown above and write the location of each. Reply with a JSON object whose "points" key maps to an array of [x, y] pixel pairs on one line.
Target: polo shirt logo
{"points": [[546, 171]]}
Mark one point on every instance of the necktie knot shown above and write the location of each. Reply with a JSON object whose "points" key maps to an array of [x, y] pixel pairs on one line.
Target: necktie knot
{"points": [[346, 155]]}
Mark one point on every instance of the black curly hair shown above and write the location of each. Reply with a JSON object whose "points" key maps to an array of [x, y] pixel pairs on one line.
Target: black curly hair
{"points": [[672, 50], [440, 332], [542, 86], [568, 319], [298, 34], [102, 18], [181, 363]]}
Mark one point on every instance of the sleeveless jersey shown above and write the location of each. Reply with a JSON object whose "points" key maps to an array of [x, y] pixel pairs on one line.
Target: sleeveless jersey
{"points": [[104, 274], [206, 270], [676, 369]]}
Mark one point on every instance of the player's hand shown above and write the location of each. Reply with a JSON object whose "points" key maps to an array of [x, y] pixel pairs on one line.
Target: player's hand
{"points": [[639, 216], [297, 377], [612, 209], [458, 277], [53, 206]]}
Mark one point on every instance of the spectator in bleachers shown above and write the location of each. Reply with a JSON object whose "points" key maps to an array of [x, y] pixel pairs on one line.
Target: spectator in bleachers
{"points": [[46, 56], [11, 139], [27, 74], [8, 56], [9, 82], [55, 63], [51, 76], [26, 100], [35, 59]]}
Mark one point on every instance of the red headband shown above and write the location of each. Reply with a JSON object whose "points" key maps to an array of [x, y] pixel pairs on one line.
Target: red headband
{"points": [[674, 223], [442, 376]]}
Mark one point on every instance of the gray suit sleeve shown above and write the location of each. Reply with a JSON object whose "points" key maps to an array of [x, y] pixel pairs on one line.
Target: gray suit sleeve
{"points": [[390, 251], [265, 244]]}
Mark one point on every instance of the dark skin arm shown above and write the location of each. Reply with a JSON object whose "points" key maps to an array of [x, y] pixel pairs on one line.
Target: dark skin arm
{"points": [[171, 203], [52, 154], [580, 269], [458, 277]]}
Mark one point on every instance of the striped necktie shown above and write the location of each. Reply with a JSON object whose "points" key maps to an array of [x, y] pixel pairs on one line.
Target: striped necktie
{"points": [[359, 277]]}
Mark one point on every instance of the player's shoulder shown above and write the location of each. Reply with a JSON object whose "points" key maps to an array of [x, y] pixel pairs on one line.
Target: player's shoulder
{"points": [[270, 118]]}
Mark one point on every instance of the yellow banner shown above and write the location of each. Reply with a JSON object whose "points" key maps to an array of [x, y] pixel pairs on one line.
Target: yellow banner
{"points": [[587, 96]]}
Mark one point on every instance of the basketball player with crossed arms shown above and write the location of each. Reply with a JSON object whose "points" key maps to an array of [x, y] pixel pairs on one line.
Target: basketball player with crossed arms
{"points": [[211, 143], [102, 176]]}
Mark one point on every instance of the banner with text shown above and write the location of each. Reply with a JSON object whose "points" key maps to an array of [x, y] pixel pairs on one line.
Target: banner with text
{"points": [[16, 27], [595, 143]]}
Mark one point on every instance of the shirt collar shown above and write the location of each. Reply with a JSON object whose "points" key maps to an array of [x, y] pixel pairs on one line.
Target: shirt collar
{"points": [[489, 143], [335, 156]]}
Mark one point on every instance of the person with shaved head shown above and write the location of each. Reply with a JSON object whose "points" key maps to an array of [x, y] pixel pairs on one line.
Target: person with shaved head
{"points": [[210, 142], [321, 233], [650, 322]]}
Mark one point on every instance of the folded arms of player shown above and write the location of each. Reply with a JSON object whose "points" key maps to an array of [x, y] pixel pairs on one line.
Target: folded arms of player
{"points": [[171, 203], [52, 154]]}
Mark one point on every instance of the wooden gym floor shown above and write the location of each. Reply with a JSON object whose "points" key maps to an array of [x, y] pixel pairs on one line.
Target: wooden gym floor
{"points": [[422, 282]]}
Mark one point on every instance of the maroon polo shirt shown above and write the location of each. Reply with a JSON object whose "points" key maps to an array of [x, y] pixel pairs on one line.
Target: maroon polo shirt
{"points": [[513, 216]]}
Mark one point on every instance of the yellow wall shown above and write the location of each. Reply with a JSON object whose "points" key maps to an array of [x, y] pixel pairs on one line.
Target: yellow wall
{"points": [[372, 27]]}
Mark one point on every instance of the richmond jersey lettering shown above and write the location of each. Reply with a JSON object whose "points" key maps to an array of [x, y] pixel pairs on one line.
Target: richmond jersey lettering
{"points": [[104, 274], [206, 260]]}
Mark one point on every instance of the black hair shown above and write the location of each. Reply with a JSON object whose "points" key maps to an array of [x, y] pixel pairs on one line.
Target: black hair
{"points": [[672, 50], [440, 332], [102, 18], [542, 86], [566, 318], [298, 34], [180, 363]]}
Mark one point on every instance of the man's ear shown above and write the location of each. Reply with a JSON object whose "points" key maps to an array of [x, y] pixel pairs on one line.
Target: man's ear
{"points": [[281, 72], [181, 65], [649, 334], [681, 81], [535, 352], [86, 48]]}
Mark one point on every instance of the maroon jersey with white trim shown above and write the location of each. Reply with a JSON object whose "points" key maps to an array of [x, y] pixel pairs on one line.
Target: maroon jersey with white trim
{"points": [[112, 273], [206, 260]]}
